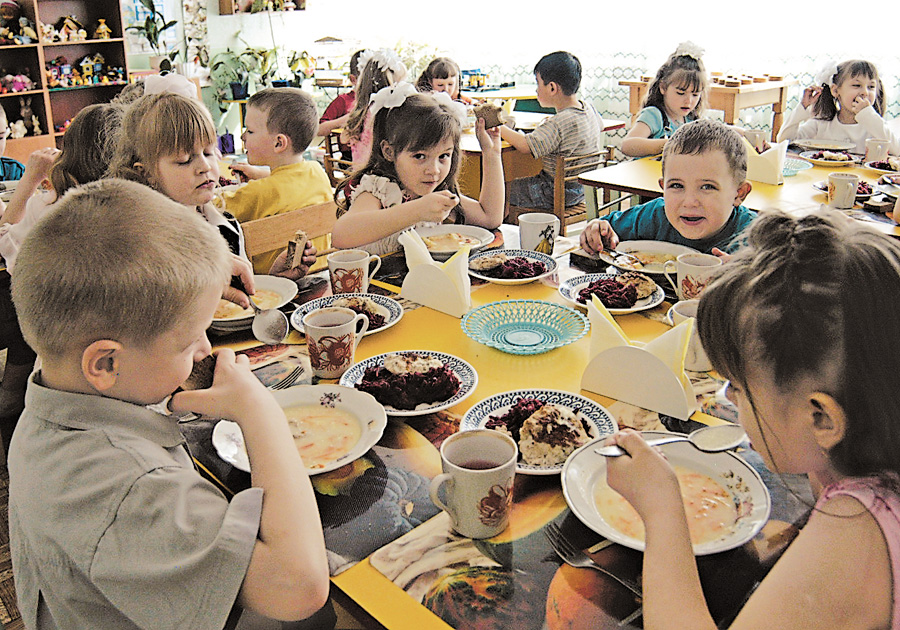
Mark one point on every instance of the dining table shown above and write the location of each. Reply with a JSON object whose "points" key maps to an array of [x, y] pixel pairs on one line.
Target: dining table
{"points": [[376, 510]]}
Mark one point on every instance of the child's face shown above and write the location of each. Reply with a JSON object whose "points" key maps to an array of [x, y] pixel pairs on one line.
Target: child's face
{"points": [[421, 172], [450, 85], [259, 143], [860, 85], [679, 100], [700, 192], [543, 91], [189, 178]]}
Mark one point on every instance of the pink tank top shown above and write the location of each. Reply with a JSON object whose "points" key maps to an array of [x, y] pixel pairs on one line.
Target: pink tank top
{"points": [[883, 504]]}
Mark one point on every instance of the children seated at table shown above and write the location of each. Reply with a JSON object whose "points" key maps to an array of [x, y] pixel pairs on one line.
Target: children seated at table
{"points": [[442, 75], [410, 178], [796, 322], [704, 181], [338, 111], [845, 104], [279, 125], [575, 129], [119, 327], [677, 94]]}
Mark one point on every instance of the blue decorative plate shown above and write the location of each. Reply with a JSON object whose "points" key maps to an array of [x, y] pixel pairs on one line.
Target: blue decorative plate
{"points": [[570, 288], [550, 264], [385, 306], [792, 166], [600, 421], [468, 380], [524, 326]]}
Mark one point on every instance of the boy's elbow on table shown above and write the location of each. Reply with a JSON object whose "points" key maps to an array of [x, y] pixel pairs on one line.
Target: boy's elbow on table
{"points": [[289, 591]]}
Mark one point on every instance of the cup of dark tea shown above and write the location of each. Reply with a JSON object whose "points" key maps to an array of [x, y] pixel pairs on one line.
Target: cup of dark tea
{"points": [[476, 486]]}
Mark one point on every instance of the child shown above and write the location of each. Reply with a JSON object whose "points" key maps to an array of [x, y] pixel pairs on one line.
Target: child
{"points": [[794, 328], [575, 129], [118, 327], [10, 169], [412, 171], [704, 181], [279, 125], [677, 95], [338, 111], [380, 69], [847, 104], [442, 75]]}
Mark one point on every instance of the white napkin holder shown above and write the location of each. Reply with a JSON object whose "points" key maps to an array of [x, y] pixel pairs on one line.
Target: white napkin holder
{"points": [[650, 376], [445, 287], [766, 167]]}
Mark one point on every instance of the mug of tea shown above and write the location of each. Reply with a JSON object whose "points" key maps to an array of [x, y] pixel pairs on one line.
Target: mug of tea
{"points": [[351, 269], [695, 360], [538, 231], [842, 189], [757, 138], [877, 149], [693, 273], [332, 334], [477, 483]]}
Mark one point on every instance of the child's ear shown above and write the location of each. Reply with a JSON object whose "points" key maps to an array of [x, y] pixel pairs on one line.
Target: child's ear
{"points": [[387, 151], [742, 192], [282, 143], [828, 420], [100, 364]]}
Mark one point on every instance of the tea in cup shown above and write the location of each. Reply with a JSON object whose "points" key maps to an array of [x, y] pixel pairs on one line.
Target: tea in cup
{"points": [[351, 269], [538, 231], [695, 360], [842, 189], [332, 334], [693, 273]]}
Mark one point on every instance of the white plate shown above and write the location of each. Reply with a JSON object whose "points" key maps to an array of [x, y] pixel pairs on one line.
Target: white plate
{"points": [[570, 288], [601, 421], [468, 380], [815, 144], [229, 441], [286, 289], [386, 307], [652, 247], [823, 186], [584, 469], [485, 237], [808, 155], [549, 262], [881, 170]]}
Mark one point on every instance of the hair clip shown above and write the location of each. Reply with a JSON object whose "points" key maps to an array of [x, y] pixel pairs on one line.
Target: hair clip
{"points": [[826, 75], [390, 97], [689, 49], [386, 59], [457, 109]]}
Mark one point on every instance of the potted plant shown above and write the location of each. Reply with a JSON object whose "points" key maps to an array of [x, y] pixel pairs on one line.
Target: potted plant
{"points": [[231, 71], [152, 29]]}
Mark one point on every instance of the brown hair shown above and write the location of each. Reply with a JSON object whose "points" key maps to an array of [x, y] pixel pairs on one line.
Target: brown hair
{"points": [[372, 79], [289, 111], [704, 135], [439, 68], [683, 71], [826, 107], [88, 147]]}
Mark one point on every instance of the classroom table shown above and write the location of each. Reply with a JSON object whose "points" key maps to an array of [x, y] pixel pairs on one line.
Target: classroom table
{"points": [[796, 194], [730, 100]]}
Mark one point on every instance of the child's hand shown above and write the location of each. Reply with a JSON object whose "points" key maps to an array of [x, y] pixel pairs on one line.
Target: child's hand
{"points": [[643, 476], [39, 163], [718, 252], [246, 172], [488, 139], [810, 96], [241, 268], [859, 103], [437, 205], [597, 236], [280, 265]]}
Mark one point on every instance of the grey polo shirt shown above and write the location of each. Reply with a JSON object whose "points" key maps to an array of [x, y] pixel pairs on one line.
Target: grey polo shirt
{"points": [[111, 526], [573, 131]]}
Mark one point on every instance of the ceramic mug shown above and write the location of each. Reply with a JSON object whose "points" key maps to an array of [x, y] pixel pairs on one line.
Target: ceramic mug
{"points": [[877, 149], [350, 270], [842, 189], [538, 231], [695, 360], [332, 334], [757, 138], [693, 272], [479, 468]]}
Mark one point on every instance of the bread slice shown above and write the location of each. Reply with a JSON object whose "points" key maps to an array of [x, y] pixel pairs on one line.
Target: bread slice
{"points": [[202, 375], [493, 116], [295, 249]]}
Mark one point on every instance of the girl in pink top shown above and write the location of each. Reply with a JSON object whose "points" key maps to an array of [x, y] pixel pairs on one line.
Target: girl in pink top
{"points": [[796, 321]]}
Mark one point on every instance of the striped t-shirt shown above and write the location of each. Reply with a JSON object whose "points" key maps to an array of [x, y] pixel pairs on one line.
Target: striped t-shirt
{"points": [[573, 131]]}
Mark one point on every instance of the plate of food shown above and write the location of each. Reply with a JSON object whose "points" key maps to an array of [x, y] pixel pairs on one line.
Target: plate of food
{"points": [[271, 292], [547, 424], [816, 144], [864, 190], [621, 294], [829, 158], [652, 256], [511, 266], [332, 426], [890, 165], [889, 185], [413, 382], [382, 311], [443, 241], [728, 501]]}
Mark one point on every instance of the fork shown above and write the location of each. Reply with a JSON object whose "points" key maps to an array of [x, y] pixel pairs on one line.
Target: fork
{"points": [[577, 558], [289, 380]]}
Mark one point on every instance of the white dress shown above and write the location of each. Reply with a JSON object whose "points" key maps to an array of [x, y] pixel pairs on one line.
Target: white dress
{"points": [[800, 124]]}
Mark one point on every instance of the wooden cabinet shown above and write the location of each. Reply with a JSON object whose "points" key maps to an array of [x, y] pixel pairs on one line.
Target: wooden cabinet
{"points": [[53, 106]]}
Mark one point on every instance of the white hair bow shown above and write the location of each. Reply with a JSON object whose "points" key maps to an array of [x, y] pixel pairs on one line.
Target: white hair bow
{"points": [[689, 49], [456, 108], [391, 96], [386, 59], [825, 76]]}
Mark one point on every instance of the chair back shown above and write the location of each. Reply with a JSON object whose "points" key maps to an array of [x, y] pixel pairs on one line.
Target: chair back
{"points": [[264, 235], [337, 165]]}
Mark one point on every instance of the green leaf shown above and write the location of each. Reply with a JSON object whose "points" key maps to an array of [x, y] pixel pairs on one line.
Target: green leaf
{"points": [[149, 5]]}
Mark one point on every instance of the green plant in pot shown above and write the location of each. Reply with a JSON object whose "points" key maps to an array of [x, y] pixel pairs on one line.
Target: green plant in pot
{"points": [[152, 29], [231, 71]]}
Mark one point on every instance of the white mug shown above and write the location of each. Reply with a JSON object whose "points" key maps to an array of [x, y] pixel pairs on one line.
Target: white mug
{"points": [[695, 360], [842, 189], [538, 231], [479, 469], [877, 149], [350, 270], [693, 272], [757, 138], [332, 334]]}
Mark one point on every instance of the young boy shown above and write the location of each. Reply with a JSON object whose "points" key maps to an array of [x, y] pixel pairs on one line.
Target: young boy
{"points": [[704, 181], [280, 123], [575, 129], [110, 524]]}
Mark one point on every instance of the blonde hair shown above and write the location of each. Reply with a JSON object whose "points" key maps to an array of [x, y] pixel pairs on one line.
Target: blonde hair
{"points": [[156, 126], [115, 260]]}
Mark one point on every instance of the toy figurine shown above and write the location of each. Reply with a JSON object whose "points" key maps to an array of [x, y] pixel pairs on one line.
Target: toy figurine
{"points": [[26, 112], [10, 12], [27, 34], [18, 129], [102, 31], [68, 27], [36, 126], [48, 34]]}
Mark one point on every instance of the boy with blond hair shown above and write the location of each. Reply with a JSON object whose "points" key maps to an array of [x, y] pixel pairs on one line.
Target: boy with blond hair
{"points": [[280, 123], [110, 524]]}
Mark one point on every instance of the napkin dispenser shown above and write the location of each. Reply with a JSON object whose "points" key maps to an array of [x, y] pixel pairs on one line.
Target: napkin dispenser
{"points": [[650, 376], [445, 287], [766, 167]]}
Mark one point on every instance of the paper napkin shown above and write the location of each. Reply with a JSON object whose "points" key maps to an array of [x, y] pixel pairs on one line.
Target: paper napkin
{"points": [[444, 287], [766, 167]]}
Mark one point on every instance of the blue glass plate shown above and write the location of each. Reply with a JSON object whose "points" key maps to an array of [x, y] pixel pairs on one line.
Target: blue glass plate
{"points": [[524, 326], [792, 166]]}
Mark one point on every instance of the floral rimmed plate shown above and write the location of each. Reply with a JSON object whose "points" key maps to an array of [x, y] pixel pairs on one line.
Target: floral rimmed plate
{"points": [[549, 263], [441, 251], [524, 326], [880, 167], [570, 288], [600, 421], [468, 380], [584, 470], [388, 308], [657, 249], [808, 155], [229, 441]]}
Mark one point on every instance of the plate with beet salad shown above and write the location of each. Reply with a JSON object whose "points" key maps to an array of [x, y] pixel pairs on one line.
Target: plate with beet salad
{"points": [[511, 266]]}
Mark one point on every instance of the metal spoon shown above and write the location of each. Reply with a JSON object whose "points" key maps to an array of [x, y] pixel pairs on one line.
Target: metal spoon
{"points": [[708, 439], [269, 326]]}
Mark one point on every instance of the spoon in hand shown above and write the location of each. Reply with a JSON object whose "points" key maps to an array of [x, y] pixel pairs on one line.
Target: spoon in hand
{"points": [[708, 439], [269, 326]]}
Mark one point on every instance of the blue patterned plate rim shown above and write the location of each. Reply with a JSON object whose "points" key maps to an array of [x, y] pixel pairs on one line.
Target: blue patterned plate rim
{"points": [[473, 325], [551, 264], [570, 288], [468, 380], [390, 309], [601, 420]]}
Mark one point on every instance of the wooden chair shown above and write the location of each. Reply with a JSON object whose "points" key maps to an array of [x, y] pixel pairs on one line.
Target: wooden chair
{"points": [[269, 233], [337, 166]]}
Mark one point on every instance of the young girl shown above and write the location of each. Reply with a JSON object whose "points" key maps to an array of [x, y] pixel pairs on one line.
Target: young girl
{"points": [[412, 172], [677, 95], [380, 69], [442, 75], [797, 333], [846, 103]]}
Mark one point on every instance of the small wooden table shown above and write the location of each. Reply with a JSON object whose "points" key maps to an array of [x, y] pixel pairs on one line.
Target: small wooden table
{"points": [[730, 100]]}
